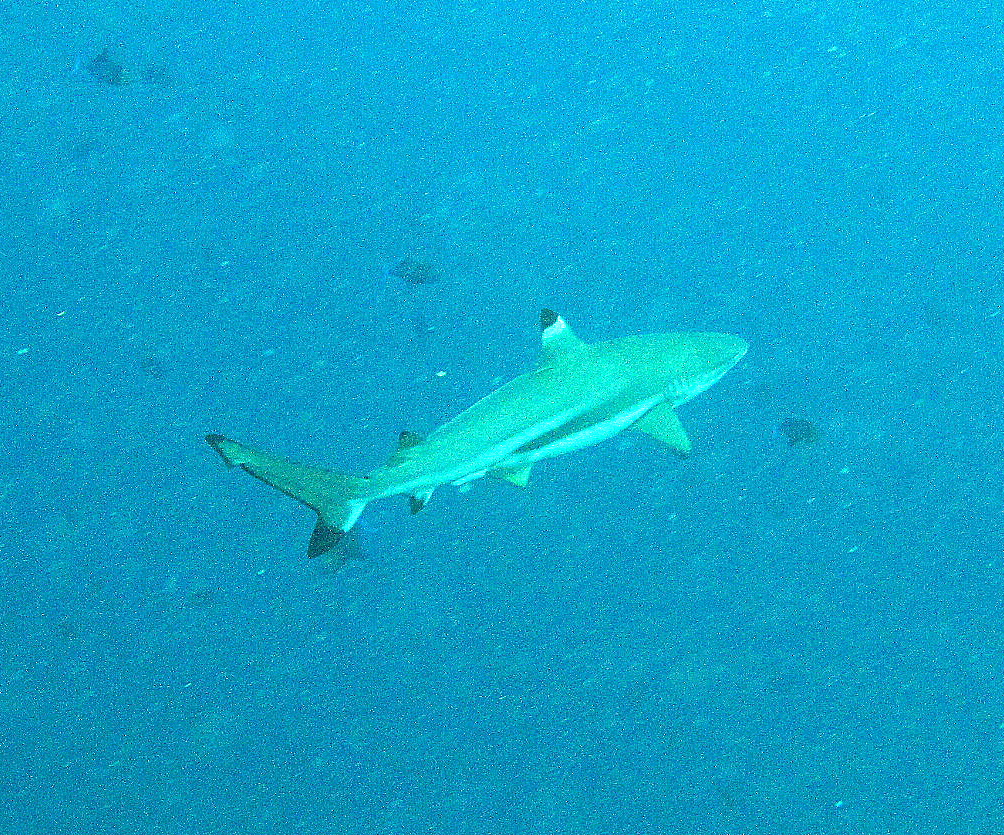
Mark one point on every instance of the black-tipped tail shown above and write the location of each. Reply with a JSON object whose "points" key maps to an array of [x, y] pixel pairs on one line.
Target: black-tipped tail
{"points": [[336, 497], [323, 539]]}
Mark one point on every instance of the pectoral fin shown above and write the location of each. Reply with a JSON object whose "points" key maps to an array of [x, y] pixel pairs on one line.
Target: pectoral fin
{"points": [[663, 425]]}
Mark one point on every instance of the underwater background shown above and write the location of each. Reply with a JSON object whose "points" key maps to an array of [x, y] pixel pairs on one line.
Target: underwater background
{"points": [[312, 225]]}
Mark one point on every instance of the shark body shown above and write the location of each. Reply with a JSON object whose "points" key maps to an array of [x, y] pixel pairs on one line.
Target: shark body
{"points": [[579, 395]]}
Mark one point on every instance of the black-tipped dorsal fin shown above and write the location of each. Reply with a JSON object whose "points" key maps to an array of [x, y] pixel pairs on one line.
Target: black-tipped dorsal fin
{"points": [[556, 338]]}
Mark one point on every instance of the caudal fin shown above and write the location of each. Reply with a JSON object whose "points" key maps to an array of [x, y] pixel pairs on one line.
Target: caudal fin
{"points": [[336, 497]]}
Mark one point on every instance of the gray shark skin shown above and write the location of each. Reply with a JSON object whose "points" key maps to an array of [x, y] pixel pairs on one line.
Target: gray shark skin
{"points": [[579, 395]]}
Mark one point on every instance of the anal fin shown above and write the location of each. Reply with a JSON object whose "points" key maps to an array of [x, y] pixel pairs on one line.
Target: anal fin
{"points": [[419, 500]]}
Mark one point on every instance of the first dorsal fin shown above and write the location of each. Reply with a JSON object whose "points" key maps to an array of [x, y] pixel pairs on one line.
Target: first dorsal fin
{"points": [[556, 338]]}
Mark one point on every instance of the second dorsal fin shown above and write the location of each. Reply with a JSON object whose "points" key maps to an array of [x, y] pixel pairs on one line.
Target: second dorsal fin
{"points": [[408, 439]]}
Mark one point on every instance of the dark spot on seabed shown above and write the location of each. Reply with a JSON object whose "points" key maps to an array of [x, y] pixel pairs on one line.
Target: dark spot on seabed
{"points": [[153, 366], [799, 431], [412, 272], [102, 68]]}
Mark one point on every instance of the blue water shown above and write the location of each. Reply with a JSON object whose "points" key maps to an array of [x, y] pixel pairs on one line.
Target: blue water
{"points": [[761, 639]]}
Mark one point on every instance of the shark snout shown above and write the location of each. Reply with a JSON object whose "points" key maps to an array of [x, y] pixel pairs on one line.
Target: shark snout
{"points": [[735, 349], [718, 352], [729, 350], [707, 358]]}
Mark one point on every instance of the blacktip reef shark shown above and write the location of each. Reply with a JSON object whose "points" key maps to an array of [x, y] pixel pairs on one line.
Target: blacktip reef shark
{"points": [[579, 395]]}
